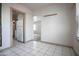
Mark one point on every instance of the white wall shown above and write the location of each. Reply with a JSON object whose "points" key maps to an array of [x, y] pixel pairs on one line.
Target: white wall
{"points": [[58, 28], [6, 23], [76, 30]]}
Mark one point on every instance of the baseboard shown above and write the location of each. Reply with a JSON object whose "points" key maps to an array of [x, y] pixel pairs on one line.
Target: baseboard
{"points": [[62, 45], [4, 49], [56, 44], [18, 41], [75, 52], [29, 41]]}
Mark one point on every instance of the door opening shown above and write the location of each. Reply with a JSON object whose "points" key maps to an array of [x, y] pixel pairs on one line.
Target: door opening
{"points": [[18, 26], [37, 28]]}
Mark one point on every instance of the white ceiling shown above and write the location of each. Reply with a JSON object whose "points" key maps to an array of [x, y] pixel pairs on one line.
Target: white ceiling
{"points": [[36, 6]]}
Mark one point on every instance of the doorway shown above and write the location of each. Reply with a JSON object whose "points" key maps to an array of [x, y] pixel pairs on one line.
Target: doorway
{"points": [[37, 28], [18, 26]]}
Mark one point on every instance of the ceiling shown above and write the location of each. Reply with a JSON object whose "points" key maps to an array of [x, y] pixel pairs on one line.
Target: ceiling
{"points": [[36, 6]]}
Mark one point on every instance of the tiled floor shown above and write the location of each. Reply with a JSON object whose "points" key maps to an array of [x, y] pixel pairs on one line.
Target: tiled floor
{"points": [[35, 48]]}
